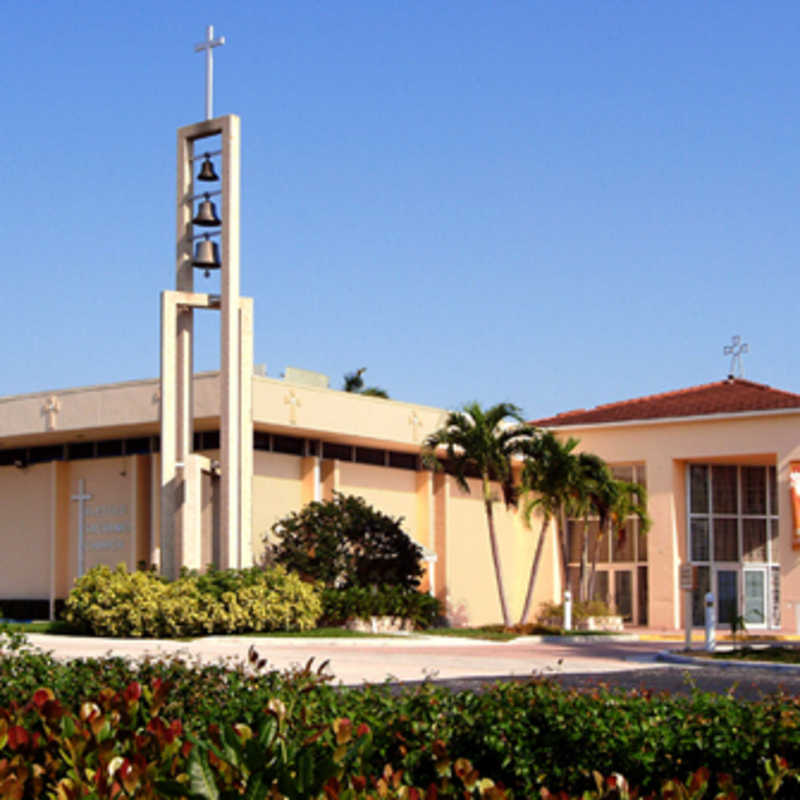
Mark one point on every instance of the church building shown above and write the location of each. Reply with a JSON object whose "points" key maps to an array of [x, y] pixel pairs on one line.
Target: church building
{"points": [[191, 469]]}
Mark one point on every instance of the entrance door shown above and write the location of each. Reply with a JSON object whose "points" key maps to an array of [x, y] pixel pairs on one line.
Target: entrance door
{"points": [[727, 600], [755, 596]]}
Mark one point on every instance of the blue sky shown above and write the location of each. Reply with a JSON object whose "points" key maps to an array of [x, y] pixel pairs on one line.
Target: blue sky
{"points": [[553, 204]]}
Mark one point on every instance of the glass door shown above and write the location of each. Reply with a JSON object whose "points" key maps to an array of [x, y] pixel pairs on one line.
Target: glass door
{"points": [[727, 596], [755, 596]]}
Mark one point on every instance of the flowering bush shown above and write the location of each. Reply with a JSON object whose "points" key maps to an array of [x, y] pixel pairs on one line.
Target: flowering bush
{"points": [[116, 602]]}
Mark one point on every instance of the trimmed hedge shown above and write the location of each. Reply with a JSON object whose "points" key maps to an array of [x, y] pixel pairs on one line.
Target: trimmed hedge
{"points": [[361, 602], [525, 737], [107, 602]]}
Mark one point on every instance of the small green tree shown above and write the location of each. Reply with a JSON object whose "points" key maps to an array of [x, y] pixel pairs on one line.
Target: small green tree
{"points": [[344, 542], [354, 383]]}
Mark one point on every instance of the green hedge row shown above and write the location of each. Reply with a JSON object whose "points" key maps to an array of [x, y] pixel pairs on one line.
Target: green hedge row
{"points": [[524, 738], [115, 602]]}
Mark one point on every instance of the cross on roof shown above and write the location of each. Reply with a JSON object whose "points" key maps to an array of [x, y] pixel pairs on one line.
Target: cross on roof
{"points": [[735, 350], [207, 45]]}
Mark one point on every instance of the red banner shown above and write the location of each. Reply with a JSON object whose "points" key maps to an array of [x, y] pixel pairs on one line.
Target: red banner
{"points": [[794, 488]]}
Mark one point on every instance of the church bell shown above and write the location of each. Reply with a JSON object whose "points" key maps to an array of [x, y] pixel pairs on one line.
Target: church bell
{"points": [[207, 172], [206, 255], [207, 215]]}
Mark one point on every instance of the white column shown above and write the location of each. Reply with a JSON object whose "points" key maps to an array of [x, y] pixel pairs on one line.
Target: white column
{"points": [[246, 432], [231, 416]]}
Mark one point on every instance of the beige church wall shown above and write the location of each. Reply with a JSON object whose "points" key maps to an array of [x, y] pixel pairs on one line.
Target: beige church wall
{"points": [[110, 516], [312, 411], [472, 597], [277, 491], [25, 529], [392, 491], [666, 449]]}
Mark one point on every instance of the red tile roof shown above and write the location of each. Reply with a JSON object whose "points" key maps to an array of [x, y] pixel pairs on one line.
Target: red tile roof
{"points": [[731, 396]]}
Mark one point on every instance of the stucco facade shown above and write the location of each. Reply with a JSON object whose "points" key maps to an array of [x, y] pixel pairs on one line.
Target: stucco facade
{"points": [[103, 443]]}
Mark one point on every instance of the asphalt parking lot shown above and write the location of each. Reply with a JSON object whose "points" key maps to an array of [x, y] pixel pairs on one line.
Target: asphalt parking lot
{"points": [[459, 663]]}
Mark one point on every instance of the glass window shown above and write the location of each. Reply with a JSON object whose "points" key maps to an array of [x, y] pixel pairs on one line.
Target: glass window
{"points": [[698, 596], [369, 455], [574, 531], [727, 601], [110, 447], [699, 540], [81, 450], [641, 545], [291, 445], [599, 539], [601, 586], [698, 489], [754, 539], [754, 490], [641, 475], [726, 539], [622, 544], [622, 473], [402, 460], [641, 592], [723, 490], [573, 580], [623, 593], [773, 491]]}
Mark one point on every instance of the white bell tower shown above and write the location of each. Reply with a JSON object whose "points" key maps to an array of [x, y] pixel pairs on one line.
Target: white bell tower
{"points": [[181, 469]]}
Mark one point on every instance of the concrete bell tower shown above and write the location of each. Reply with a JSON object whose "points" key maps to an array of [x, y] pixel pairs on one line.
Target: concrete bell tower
{"points": [[182, 470]]}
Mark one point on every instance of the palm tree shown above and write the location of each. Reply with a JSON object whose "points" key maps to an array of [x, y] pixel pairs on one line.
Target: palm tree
{"points": [[353, 382], [482, 442], [618, 500], [549, 474], [588, 499]]}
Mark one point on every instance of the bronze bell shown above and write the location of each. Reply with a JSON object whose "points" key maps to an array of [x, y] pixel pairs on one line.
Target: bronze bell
{"points": [[207, 172], [206, 255], [207, 215]]}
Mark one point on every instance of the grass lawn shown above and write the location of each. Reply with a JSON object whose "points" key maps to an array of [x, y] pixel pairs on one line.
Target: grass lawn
{"points": [[491, 632], [779, 654], [64, 629], [38, 626]]}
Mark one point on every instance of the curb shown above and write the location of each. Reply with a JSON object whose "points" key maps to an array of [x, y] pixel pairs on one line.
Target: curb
{"points": [[675, 658], [584, 639]]}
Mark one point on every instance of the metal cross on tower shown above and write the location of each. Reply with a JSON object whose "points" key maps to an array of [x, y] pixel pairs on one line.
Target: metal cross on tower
{"points": [[735, 350], [207, 45]]}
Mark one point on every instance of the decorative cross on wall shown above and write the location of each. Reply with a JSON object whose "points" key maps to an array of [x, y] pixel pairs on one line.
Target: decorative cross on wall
{"points": [[293, 403], [735, 350], [49, 411], [80, 498], [416, 423]]}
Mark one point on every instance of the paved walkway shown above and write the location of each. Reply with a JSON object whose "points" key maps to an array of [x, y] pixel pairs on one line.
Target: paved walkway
{"points": [[408, 658]]}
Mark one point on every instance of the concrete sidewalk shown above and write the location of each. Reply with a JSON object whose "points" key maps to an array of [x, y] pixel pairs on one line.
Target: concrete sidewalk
{"points": [[398, 658]]}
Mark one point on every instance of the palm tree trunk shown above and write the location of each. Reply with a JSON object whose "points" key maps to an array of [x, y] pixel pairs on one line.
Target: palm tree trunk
{"points": [[583, 569], [593, 573], [496, 559], [562, 541], [534, 571]]}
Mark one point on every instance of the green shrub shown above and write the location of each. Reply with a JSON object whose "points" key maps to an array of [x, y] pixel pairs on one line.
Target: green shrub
{"points": [[116, 602], [580, 611], [362, 602], [345, 542], [524, 736]]}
